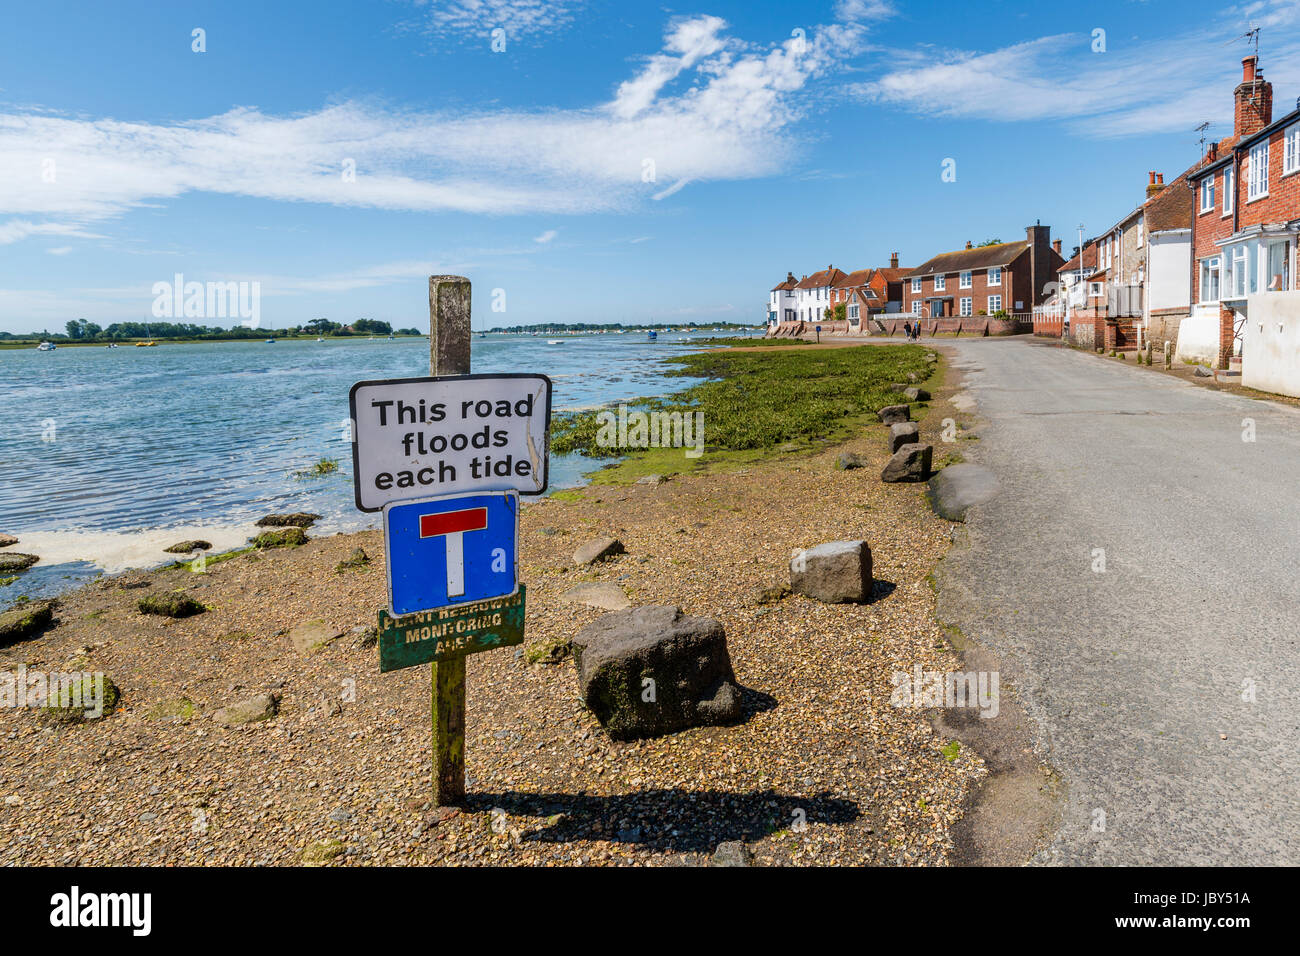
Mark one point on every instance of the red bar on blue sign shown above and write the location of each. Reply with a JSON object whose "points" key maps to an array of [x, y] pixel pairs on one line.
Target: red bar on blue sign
{"points": [[453, 522]]}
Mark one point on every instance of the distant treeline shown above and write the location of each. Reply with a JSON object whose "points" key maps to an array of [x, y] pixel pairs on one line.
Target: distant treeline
{"points": [[615, 326], [79, 330]]}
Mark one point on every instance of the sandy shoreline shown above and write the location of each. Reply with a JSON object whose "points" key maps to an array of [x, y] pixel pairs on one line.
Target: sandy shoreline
{"points": [[347, 757]]}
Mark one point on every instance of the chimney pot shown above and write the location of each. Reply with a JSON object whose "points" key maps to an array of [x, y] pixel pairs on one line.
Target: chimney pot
{"points": [[968, 245], [1248, 68], [1160, 179], [1151, 178], [1056, 246]]}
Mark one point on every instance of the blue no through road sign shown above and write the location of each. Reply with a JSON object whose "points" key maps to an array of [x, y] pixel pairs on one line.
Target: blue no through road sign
{"points": [[453, 550]]}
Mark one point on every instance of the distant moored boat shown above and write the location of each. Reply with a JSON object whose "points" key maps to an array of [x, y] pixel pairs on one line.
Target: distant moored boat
{"points": [[46, 347]]}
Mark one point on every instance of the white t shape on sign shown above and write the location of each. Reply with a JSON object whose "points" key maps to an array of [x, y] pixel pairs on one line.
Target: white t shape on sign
{"points": [[451, 526]]}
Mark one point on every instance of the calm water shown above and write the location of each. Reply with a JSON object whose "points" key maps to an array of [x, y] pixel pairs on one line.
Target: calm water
{"points": [[109, 455]]}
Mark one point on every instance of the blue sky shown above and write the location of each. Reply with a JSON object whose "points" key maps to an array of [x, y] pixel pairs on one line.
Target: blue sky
{"points": [[616, 161]]}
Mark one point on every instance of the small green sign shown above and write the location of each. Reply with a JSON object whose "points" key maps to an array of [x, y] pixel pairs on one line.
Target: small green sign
{"points": [[450, 632]]}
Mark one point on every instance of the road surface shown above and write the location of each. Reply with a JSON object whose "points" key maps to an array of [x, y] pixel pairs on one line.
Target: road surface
{"points": [[1136, 575]]}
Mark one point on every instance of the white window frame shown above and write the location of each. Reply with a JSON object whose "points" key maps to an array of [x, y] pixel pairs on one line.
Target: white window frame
{"points": [[1257, 177], [967, 307], [1207, 263], [1096, 290], [1291, 149], [1229, 188], [916, 306], [966, 280], [916, 284], [994, 308], [1207, 194], [940, 283], [994, 271], [1141, 224]]}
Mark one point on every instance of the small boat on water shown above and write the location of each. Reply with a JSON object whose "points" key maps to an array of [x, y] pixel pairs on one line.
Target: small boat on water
{"points": [[652, 335], [46, 347], [270, 341], [145, 345], [319, 339], [554, 342]]}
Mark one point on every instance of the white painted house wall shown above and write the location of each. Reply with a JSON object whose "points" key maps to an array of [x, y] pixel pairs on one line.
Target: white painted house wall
{"points": [[1198, 336], [1270, 343], [1169, 264]]}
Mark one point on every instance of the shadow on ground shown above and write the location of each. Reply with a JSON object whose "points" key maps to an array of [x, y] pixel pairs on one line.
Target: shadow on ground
{"points": [[681, 821]]}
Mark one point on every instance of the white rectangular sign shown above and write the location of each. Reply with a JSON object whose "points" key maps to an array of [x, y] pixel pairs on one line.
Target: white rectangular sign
{"points": [[416, 437]]}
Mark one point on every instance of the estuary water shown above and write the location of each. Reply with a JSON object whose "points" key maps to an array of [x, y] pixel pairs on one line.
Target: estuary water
{"points": [[109, 455]]}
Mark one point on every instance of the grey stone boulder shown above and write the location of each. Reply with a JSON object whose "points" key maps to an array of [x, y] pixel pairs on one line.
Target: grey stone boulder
{"points": [[909, 463], [6, 540], [187, 547], [958, 487], [892, 414], [651, 480], [917, 395], [261, 707], [12, 561], [848, 461], [651, 671], [597, 549], [292, 519], [170, 604], [310, 636], [1203, 371], [835, 572], [24, 621], [601, 594], [903, 433], [731, 853], [897, 387]]}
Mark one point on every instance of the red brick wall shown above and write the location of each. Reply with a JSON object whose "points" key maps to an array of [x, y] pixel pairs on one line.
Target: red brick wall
{"points": [[979, 291], [1281, 204]]}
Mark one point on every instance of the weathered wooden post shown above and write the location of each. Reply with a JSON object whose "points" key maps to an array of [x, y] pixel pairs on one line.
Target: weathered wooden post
{"points": [[1168, 356], [449, 345]]}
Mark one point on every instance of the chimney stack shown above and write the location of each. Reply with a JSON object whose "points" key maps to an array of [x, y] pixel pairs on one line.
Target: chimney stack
{"points": [[893, 260], [1056, 246], [1254, 99], [1041, 270], [1156, 183], [968, 245]]}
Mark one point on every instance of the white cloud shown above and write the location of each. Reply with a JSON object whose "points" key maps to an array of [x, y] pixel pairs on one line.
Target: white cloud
{"points": [[16, 229], [59, 250], [472, 19], [545, 237], [1161, 85], [730, 120]]}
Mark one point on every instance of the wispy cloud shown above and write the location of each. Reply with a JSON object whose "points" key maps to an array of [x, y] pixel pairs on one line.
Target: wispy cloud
{"points": [[545, 237], [708, 107], [472, 19], [1155, 86]]}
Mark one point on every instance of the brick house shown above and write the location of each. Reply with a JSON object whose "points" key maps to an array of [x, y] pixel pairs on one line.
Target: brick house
{"points": [[1247, 220], [1006, 278]]}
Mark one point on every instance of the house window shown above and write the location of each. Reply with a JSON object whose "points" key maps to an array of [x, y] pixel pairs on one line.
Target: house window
{"points": [[965, 280], [940, 283], [916, 285], [1291, 150], [1236, 278], [1210, 279], [1094, 290], [853, 312], [1207, 194], [995, 304], [1278, 277], [995, 276], [1229, 188], [967, 305], [1257, 175], [916, 306], [1141, 227]]}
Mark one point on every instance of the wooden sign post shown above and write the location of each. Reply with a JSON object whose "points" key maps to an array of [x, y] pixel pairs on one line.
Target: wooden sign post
{"points": [[449, 342]]}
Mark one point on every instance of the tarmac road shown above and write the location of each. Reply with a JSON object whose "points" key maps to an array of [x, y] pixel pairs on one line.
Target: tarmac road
{"points": [[1136, 576]]}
